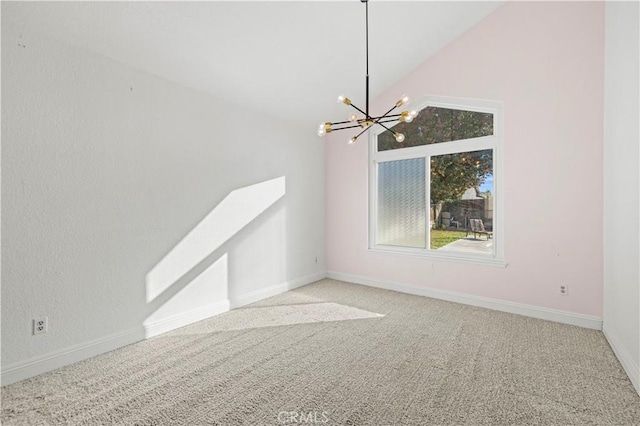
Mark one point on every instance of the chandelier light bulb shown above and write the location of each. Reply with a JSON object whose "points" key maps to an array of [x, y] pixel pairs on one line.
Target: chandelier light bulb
{"points": [[342, 99], [353, 118], [324, 128], [351, 141], [403, 100], [408, 119], [413, 113], [399, 137]]}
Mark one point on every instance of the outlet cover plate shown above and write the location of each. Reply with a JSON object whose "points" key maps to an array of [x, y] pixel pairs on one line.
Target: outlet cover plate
{"points": [[40, 325]]}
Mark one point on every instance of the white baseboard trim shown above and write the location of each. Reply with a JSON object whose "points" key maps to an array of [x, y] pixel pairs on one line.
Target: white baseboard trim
{"points": [[630, 367], [185, 318], [44, 363], [273, 290], [41, 364], [565, 317]]}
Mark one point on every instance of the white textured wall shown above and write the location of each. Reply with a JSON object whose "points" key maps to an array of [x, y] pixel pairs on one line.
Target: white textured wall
{"points": [[622, 185], [106, 173]]}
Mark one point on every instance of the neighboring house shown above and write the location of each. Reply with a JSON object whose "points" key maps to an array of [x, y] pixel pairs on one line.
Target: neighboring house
{"points": [[472, 205]]}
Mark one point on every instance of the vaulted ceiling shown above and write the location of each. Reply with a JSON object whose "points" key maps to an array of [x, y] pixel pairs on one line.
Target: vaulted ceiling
{"points": [[288, 59]]}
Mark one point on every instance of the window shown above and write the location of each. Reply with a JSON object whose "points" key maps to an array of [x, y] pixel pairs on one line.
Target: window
{"points": [[437, 193]]}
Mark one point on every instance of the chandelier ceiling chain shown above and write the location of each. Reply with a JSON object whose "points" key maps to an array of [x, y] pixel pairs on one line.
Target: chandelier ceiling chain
{"points": [[366, 122]]}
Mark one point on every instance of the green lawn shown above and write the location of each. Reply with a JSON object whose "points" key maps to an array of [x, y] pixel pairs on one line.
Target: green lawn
{"points": [[442, 237]]}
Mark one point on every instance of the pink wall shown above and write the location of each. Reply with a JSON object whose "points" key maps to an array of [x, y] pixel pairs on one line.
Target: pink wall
{"points": [[545, 62]]}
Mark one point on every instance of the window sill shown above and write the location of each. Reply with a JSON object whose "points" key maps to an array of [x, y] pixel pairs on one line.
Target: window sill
{"points": [[483, 260]]}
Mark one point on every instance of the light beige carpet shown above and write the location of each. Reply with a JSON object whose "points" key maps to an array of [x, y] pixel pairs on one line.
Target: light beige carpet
{"points": [[342, 354]]}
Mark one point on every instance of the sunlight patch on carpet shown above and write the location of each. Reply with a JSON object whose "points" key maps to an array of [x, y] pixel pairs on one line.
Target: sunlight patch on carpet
{"points": [[273, 316]]}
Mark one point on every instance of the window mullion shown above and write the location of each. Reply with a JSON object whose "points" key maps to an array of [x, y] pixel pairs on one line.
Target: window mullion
{"points": [[427, 189]]}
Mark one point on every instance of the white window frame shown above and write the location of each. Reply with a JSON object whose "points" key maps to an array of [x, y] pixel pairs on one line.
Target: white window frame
{"points": [[494, 142]]}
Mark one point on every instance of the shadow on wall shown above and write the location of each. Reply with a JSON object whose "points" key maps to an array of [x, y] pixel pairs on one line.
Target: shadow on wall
{"points": [[192, 280]]}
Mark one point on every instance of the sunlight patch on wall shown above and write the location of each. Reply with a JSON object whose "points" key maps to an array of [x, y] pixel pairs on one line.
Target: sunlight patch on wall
{"points": [[209, 286], [233, 213]]}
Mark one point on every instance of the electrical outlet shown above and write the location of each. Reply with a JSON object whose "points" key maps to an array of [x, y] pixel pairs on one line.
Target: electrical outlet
{"points": [[40, 325], [564, 290]]}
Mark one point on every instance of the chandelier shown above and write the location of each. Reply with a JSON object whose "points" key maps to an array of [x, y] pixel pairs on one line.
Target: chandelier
{"points": [[366, 121]]}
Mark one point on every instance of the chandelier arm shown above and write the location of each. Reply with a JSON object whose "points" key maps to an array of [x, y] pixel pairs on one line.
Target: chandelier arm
{"points": [[380, 123], [359, 110], [347, 127], [388, 119], [341, 122], [387, 113], [395, 116], [359, 134], [337, 123]]}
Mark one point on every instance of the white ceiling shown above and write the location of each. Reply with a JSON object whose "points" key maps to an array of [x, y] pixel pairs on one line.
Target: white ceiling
{"points": [[289, 59]]}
